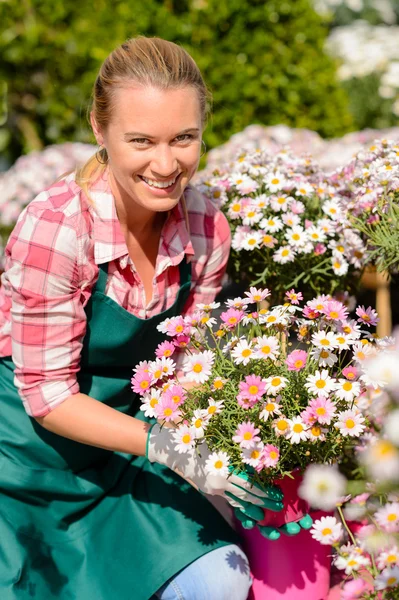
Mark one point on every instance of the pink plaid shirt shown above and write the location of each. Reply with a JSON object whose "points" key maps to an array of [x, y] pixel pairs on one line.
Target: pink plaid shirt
{"points": [[52, 260]]}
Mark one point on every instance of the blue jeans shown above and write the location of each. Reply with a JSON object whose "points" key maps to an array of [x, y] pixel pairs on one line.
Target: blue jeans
{"points": [[221, 574]]}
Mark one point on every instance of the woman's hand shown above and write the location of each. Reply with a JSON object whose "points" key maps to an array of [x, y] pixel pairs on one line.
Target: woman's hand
{"points": [[249, 519], [235, 488]]}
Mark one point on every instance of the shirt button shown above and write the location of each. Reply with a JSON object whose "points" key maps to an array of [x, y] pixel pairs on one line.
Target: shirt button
{"points": [[142, 313]]}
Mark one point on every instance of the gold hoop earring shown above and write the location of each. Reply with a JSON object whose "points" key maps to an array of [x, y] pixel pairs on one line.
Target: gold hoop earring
{"points": [[203, 149], [102, 156]]}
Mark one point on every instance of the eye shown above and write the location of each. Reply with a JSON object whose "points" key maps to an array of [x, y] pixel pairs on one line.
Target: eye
{"points": [[140, 141], [184, 137]]}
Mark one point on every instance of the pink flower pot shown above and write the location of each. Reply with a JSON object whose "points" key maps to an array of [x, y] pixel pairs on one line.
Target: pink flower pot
{"points": [[290, 568]]}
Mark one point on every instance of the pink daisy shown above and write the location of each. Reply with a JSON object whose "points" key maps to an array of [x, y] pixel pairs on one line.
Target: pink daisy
{"points": [[323, 410], [181, 341], [232, 317], [176, 326], [293, 296], [141, 383], [319, 249], [296, 360], [176, 393], [270, 455], [319, 302], [246, 435], [310, 313], [166, 409], [253, 387], [350, 373], [256, 295], [367, 316], [246, 402], [335, 310], [165, 349]]}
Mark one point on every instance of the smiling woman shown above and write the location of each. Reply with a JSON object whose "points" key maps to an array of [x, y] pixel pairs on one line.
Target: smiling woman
{"points": [[94, 264]]}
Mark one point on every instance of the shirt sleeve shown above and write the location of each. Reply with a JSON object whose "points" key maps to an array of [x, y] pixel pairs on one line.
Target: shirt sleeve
{"points": [[215, 242], [48, 320]]}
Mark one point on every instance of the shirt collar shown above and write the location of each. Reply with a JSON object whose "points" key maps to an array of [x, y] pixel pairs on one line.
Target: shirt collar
{"points": [[109, 241]]}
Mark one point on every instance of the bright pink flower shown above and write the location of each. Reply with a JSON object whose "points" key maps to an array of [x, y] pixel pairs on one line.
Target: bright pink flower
{"points": [[354, 589], [293, 296], [253, 387], [246, 435], [335, 310], [319, 249], [270, 455], [165, 349], [176, 326], [296, 360], [181, 341], [350, 373], [166, 409], [368, 316], [310, 313], [323, 410], [308, 416], [246, 402], [232, 317], [176, 393], [141, 382]]}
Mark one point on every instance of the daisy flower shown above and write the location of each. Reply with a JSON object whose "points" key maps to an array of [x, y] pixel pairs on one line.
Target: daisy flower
{"points": [[280, 203], [167, 410], [327, 530], [214, 406], [275, 384], [267, 347], [351, 328], [332, 209], [277, 316], [275, 181], [218, 464], [320, 384], [198, 367], [318, 303], [246, 435], [361, 352], [350, 423], [165, 349], [161, 367], [281, 426], [268, 240], [251, 215], [290, 219], [344, 342], [176, 393], [253, 387], [324, 357], [239, 304], [218, 384], [350, 373], [293, 296], [316, 234], [181, 341], [176, 326], [252, 456], [199, 422], [339, 265], [251, 240], [296, 236], [255, 295], [149, 401], [335, 310], [352, 562], [387, 579], [316, 433], [347, 390], [284, 255], [296, 360], [387, 517], [232, 317], [367, 316], [297, 431], [271, 224], [184, 439], [242, 353], [388, 558], [270, 455], [269, 408], [323, 410], [322, 486], [324, 339], [208, 307], [141, 383]]}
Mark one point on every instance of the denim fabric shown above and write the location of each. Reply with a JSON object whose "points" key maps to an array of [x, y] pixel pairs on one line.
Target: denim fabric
{"points": [[222, 574]]}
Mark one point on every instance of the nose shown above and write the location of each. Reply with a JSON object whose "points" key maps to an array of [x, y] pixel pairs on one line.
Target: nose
{"points": [[164, 161]]}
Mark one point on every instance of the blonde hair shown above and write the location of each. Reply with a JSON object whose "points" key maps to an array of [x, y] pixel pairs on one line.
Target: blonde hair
{"points": [[146, 61]]}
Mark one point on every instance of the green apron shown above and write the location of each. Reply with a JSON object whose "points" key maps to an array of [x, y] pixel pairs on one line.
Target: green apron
{"points": [[82, 523]]}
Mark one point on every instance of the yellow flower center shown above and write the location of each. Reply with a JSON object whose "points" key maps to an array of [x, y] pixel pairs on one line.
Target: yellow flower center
{"points": [[197, 368], [198, 423], [392, 517], [247, 435], [316, 430], [361, 355], [337, 264], [334, 314], [298, 428], [352, 563], [167, 412], [267, 239], [281, 200], [158, 373], [321, 410], [176, 398], [246, 352], [282, 425], [341, 340], [320, 383], [296, 237], [253, 389], [179, 328], [144, 384], [153, 402], [276, 381], [269, 407], [391, 558], [167, 353], [232, 320], [340, 248], [271, 319], [266, 349], [255, 454], [236, 207], [347, 386], [275, 181], [326, 531], [298, 363], [350, 423], [271, 222], [218, 464], [273, 454], [211, 409], [324, 342], [285, 252], [186, 439], [324, 354], [218, 384], [391, 580]]}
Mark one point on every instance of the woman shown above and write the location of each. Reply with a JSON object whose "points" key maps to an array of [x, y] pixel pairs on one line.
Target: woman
{"points": [[91, 504]]}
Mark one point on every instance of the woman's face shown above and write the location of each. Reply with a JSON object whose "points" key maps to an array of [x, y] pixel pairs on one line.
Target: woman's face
{"points": [[153, 143]]}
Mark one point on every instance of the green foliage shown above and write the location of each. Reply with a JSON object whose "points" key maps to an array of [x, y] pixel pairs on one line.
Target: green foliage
{"points": [[264, 62]]}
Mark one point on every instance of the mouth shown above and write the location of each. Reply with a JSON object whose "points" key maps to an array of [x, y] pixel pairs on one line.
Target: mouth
{"points": [[167, 185]]}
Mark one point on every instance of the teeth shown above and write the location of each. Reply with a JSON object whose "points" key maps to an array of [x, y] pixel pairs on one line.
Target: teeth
{"points": [[159, 184]]}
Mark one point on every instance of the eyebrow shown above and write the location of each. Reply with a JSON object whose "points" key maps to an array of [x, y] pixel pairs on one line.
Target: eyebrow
{"points": [[150, 137]]}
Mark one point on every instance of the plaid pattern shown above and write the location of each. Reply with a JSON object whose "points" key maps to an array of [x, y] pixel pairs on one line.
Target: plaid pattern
{"points": [[52, 260]]}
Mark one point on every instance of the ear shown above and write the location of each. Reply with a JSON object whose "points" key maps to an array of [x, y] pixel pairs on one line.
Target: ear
{"points": [[96, 130]]}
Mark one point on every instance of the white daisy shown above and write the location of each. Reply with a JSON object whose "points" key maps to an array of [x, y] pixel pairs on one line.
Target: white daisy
{"points": [[198, 367], [235, 209], [184, 438], [332, 209], [243, 352], [297, 431], [271, 224], [214, 406], [327, 530], [275, 181], [350, 422], [218, 464], [277, 316], [347, 390], [280, 203], [275, 384], [251, 240], [199, 422], [281, 426], [362, 351], [251, 215], [208, 307], [149, 401], [291, 219], [351, 328], [387, 517], [352, 562], [304, 189], [344, 341], [388, 557], [322, 486], [270, 408], [284, 255], [340, 266], [320, 384], [252, 456], [296, 236], [316, 234], [387, 579], [324, 339], [267, 346], [325, 357]]}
